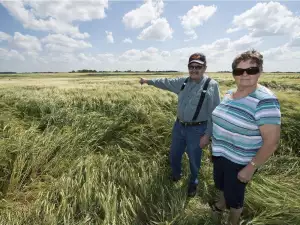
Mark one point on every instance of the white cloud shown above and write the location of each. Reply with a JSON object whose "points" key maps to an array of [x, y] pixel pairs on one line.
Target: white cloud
{"points": [[231, 30], [150, 54], [282, 58], [152, 50], [127, 40], [87, 58], [82, 56], [27, 42], [58, 57], [56, 16], [295, 41], [219, 53], [165, 54], [35, 57], [109, 37], [267, 19], [192, 34], [196, 17], [33, 54], [218, 48], [131, 55], [220, 44], [69, 10], [63, 43], [107, 57], [281, 53], [213, 51], [10, 54], [246, 42], [158, 30], [275, 53], [147, 12], [4, 36]]}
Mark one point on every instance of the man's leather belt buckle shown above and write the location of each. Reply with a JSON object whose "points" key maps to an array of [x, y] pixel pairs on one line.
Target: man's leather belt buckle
{"points": [[190, 123]]}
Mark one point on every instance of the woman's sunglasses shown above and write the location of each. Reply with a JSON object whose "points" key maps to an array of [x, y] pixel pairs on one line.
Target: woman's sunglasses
{"points": [[249, 71]]}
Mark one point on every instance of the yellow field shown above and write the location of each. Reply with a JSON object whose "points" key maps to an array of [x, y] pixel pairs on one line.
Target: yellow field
{"points": [[93, 149]]}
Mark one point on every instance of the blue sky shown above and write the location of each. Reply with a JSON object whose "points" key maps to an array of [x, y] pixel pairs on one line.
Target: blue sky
{"points": [[139, 35]]}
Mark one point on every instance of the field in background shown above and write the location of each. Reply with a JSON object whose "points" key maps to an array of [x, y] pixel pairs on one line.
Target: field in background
{"points": [[93, 149]]}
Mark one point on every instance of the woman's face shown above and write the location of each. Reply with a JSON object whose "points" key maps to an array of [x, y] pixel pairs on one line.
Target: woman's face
{"points": [[246, 74]]}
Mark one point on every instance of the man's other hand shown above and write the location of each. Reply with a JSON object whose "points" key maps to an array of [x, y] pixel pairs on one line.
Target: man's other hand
{"points": [[204, 141]]}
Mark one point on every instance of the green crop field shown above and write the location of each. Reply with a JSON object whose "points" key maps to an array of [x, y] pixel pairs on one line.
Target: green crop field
{"points": [[93, 149]]}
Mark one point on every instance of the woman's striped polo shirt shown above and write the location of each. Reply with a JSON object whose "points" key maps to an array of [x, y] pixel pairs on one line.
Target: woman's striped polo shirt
{"points": [[236, 122]]}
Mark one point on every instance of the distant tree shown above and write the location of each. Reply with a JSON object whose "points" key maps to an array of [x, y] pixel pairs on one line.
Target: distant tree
{"points": [[86, 71], [224, 71], [7, 72]]}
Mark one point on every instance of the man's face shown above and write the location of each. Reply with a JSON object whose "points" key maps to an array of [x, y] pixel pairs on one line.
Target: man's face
{"points": [[196, 70]]}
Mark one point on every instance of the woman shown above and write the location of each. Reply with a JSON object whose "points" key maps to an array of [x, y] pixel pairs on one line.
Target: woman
{"points": [[246, 131]]}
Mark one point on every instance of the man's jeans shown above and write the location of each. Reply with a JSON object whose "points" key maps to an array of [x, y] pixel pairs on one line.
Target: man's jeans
{"points": [[186, 137]]}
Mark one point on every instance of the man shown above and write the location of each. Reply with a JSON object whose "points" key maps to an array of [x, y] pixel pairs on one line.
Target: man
{"points": [[198, 95]]}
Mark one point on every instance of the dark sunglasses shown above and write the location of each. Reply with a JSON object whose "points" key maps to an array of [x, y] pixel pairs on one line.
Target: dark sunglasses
{"points": [[249, 71], [195, 67]]}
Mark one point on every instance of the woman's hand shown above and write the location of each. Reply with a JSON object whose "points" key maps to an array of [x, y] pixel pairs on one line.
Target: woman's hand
{"points": [[246, 174]]}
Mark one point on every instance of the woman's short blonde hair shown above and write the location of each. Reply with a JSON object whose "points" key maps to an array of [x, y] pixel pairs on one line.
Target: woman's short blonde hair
{"points": [[253, 55]]}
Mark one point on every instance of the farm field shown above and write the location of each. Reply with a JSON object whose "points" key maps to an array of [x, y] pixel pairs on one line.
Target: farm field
{"points": [[93, 149]]}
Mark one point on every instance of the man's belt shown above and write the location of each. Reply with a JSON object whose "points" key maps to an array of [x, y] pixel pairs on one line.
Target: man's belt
{"points": [[190, 123]]}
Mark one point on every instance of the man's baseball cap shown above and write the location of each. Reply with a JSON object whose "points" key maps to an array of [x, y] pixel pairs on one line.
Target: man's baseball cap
{"points": [[197, 58]]}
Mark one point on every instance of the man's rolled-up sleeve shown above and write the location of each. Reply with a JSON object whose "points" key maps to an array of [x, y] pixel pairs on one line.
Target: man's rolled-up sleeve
{"points": [[170, 84]]}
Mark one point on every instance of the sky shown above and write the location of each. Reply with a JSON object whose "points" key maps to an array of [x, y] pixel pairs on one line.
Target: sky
{"points": [[66, 35]]}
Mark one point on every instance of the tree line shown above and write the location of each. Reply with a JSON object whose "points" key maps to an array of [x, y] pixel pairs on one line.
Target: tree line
{"points": [[125, 71]]}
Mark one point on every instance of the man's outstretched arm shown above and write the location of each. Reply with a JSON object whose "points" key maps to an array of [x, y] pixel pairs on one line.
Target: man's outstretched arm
{"points": [[170, 84]]}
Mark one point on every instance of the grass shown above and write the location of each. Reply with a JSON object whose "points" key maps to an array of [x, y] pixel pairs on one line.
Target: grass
{"points": [[94, 150]]}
